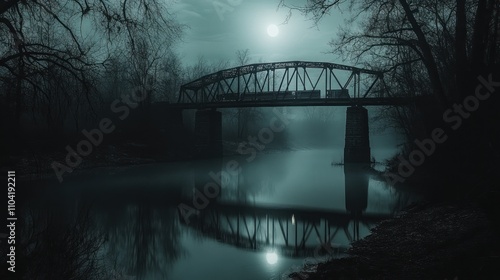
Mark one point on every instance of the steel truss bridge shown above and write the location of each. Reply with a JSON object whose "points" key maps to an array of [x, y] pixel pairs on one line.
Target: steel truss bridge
{"points": [[293, 83], [291, 232]]}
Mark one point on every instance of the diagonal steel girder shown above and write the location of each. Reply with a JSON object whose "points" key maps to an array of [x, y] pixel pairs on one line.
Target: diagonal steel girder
{"points": [[211, 85]]}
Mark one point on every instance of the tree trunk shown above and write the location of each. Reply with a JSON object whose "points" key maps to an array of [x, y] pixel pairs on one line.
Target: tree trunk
{"points": [[429, 61], [493, 43], [480, 33], [19, 99], [460, 49]]}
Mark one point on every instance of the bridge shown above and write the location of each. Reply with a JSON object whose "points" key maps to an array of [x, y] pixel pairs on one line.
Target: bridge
{"points": [[293, 83], [291, 231], [280, 84]]}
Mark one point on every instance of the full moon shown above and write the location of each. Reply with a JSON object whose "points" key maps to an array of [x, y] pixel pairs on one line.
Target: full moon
{"points": [[271, 258], [273, 30]]}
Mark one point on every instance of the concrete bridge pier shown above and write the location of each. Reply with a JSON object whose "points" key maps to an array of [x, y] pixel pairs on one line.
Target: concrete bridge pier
{"points": [[208, 133], [357, 142]]}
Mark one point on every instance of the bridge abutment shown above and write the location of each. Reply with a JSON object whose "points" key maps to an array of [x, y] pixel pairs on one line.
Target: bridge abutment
{"points": [[357, 141], [208, 133]]}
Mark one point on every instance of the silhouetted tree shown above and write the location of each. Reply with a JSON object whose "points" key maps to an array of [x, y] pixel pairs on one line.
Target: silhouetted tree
{"points": [[171, 76], [43, 38], [142, 240], [55, 246], [245, 116], [428, 48]]}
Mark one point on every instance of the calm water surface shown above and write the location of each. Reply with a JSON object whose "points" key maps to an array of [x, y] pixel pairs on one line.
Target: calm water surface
{"points": [[277, 213]]}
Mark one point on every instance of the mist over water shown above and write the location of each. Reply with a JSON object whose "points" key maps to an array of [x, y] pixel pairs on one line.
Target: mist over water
{"points": [[136, 210]]}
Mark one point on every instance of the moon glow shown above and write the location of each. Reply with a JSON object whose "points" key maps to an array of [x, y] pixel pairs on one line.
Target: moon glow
{"points": [[273, 30]]}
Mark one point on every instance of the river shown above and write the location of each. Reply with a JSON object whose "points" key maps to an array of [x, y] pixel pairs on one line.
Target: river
{"points": [[261, 219]]}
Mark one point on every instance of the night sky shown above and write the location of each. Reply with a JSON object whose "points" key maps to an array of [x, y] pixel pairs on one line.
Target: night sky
{"points": [[218, 35], [217, 29]]}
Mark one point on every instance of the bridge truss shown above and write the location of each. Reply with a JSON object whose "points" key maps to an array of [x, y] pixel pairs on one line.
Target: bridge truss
{"points": [[288, 232], [284, 81]]}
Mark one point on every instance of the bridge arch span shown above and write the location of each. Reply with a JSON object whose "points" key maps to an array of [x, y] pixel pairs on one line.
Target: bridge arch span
{"points": [[283, 81]]}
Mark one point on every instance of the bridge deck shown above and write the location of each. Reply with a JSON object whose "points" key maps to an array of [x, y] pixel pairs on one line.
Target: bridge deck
{"points": [[335, 216], [386, 101]]}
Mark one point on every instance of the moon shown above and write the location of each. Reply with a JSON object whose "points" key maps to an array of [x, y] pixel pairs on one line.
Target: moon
{"points": [[272, 258], [273, 30]]}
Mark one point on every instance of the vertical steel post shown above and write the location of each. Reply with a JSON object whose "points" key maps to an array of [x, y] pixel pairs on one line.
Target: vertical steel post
{"points": [[273, 232], [296, 78], [267, 229], [274, 79]]}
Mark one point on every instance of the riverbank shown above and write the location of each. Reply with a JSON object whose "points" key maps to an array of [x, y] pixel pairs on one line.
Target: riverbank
{"points": [[425, 241], [36, 164]]}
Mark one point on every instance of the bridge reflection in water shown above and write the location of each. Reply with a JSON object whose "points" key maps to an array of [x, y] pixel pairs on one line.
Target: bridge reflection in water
{"points": [[291, 231]]}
